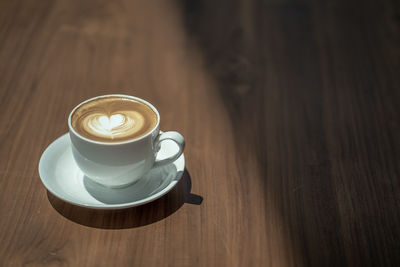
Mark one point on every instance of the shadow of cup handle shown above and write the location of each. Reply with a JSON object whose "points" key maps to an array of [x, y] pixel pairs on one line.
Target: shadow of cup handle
{"points": [[194, 199]]}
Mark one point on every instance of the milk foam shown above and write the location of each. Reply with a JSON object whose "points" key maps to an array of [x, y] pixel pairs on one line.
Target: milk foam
{"points": [[116, 125], [113, 119]]}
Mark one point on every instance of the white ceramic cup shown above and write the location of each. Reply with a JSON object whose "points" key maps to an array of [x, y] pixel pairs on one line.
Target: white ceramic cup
{"points": [[119, 164]]}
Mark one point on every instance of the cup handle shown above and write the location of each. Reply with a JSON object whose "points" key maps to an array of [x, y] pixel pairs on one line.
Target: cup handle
{"points": [[177, 138]]}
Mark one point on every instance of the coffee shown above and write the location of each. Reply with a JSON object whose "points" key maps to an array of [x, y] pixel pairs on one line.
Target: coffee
{"points": [[113, 119]]}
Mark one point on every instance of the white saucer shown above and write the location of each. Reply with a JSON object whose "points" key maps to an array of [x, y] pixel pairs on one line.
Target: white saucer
{"points": [[62, 177]]}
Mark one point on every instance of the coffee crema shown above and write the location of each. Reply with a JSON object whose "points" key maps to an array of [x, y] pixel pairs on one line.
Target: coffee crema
{"points": [[113, 119]]}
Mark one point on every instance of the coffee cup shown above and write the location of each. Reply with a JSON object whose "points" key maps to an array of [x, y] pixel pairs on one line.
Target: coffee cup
{"points": [[115, 139]]}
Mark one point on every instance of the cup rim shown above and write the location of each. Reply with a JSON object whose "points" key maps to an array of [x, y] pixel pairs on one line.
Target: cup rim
{"points": [[114, 143]]}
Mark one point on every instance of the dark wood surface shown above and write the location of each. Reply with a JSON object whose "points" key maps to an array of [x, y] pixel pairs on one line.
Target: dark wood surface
{"points": [[290, 110]]}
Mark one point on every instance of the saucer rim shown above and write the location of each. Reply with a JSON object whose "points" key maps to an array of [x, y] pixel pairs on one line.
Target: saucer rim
{"points": [[105, 206]]}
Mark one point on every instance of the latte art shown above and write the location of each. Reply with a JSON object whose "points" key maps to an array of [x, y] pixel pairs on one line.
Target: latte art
{"points": [[116, 125], [113, 119]]}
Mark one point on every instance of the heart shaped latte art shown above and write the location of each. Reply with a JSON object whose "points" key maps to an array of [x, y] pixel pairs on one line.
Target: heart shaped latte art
{"points": [[109, 123], [116, 125]]}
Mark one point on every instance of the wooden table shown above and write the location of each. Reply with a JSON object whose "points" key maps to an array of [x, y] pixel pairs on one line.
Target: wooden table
{"points": [[290, 110]]}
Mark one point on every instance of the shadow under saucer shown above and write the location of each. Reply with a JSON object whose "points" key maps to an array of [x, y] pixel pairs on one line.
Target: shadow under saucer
{"points": [[131, 217]]}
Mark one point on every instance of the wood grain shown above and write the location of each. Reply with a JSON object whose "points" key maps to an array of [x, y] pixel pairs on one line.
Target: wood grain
{"points": [[289, 110]]}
